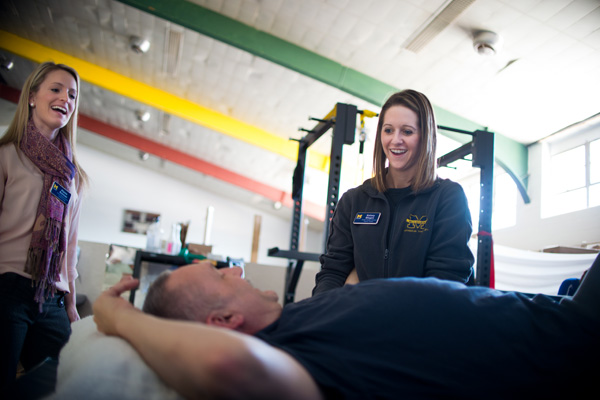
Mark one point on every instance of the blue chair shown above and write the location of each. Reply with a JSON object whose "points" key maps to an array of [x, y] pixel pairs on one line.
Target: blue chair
{"points": [[569, 287]]}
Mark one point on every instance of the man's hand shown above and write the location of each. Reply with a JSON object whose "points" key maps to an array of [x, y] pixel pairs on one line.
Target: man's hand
{"points": [[110, 305]]}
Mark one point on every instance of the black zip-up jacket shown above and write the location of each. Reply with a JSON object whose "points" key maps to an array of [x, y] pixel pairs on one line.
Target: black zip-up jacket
{"points": [[428, 236]]}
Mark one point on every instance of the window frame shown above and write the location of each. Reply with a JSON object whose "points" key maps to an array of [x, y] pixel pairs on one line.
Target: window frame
{"points": [[554, 147]]}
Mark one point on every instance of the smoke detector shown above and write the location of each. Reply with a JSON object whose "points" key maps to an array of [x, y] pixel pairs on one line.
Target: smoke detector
{"points": [[487, 43]]}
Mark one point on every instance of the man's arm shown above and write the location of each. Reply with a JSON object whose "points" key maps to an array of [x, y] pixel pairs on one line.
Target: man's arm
{"points": [[200, 361]]}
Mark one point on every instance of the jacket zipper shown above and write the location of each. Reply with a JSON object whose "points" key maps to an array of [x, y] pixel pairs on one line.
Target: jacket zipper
{"points": [[385, 263], [387, 242]]}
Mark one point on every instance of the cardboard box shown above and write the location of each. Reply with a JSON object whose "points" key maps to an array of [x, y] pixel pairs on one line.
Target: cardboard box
{"points": [[202, 249]]}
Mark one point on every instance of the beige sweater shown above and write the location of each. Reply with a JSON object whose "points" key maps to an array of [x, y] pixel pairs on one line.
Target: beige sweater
{"points": [[21, 185]]}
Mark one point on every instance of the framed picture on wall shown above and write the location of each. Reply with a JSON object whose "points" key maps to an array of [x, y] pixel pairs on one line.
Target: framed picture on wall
{"points": [[138, 221]]}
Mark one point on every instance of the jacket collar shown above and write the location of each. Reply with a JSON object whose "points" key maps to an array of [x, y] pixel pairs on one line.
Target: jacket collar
{"points": [[368, 188]]}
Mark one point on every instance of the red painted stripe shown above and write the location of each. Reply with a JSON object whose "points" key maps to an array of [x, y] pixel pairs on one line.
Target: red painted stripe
{"points": [[134, 140]]}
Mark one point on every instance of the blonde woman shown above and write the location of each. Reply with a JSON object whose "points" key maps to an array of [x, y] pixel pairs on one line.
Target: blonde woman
{"points": [[40, 199]]}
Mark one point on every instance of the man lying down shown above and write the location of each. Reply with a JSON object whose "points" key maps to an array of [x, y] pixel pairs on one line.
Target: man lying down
{"points": [[380, 339]]}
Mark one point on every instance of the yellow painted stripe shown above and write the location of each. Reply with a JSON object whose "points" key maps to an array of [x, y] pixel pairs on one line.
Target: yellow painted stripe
{"points": [[162, 100]]}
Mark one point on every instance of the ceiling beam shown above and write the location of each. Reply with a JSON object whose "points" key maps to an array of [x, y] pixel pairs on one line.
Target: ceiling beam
{"points": [[512, 155], [180, 158], [161, 100]]}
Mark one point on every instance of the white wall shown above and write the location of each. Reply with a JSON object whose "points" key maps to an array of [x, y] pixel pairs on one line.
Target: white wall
{"points": [[117, 185], [534, 233]]}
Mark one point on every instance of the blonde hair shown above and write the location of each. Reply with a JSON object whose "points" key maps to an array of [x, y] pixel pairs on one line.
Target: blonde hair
{"points": [[426, 161], [16, 129]]}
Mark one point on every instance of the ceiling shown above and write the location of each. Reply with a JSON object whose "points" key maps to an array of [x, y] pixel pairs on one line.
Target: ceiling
{"points": [[228, 83]]}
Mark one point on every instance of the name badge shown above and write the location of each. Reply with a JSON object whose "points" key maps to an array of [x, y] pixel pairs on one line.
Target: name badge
{"points": [[60, 193], [367, 218]]}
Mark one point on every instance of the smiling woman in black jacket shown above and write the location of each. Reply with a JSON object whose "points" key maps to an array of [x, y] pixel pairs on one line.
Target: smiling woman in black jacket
{"points": [[405, 221]]}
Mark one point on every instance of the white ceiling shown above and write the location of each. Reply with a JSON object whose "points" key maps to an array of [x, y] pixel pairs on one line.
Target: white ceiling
{"points": [[546, 75]]}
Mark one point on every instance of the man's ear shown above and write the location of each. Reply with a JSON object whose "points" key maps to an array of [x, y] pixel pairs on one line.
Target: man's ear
{"points": [[225, 319]]}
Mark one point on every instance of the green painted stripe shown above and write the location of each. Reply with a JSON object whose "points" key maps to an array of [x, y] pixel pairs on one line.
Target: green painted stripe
{"points": [[513, 155]]}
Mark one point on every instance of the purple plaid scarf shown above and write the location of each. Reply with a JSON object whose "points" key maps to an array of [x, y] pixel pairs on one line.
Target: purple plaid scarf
{"points": [[49, 239]]}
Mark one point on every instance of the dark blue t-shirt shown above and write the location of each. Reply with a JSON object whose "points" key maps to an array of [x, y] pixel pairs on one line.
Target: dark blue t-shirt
{"points": [[428, 338]]}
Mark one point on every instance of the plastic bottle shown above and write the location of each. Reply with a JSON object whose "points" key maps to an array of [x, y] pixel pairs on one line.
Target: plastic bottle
{"points": [[154, 236], [189, 257], [174, 243]]}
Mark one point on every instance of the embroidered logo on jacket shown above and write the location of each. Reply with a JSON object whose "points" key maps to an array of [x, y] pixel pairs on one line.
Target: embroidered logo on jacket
{"points": [[415, 224]]}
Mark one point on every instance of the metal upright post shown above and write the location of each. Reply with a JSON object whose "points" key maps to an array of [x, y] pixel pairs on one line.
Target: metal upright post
{"points": [[483, 157], [297, 190], [344, 132]]}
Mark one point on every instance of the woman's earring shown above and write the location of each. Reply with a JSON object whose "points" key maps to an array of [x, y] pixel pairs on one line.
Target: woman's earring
{"points": [[31, 104]]}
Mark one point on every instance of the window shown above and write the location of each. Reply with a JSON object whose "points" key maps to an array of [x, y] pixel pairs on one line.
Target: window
{"points": [[504, 213], [573, 181], [506, 195], [505, 201], [594, 188]]}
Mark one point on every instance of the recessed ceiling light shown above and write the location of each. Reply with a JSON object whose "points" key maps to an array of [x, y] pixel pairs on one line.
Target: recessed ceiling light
{"points": [[143, 116], [6, 64], [139, 45]]}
